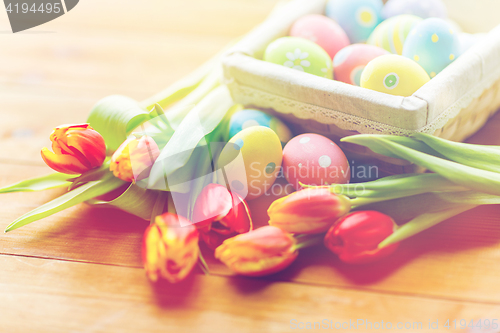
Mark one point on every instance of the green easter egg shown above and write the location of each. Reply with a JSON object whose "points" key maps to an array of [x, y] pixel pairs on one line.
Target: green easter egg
{"points": [[300, 54]]}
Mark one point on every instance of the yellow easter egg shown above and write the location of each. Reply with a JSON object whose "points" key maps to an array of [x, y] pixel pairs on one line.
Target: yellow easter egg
{"points": [[394, 74], [249, 163], [391, 34]]}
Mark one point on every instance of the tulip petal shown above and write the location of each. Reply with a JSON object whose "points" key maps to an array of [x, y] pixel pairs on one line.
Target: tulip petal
{"points": [[213, 204], [90, 144], [63, 163]]}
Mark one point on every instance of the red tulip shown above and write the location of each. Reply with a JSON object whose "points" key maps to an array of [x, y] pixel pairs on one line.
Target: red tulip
{"points": [[219, 213], [263, 251], [170, 248], [308, 211], [132, 161], [355, 237], [77, 149]]}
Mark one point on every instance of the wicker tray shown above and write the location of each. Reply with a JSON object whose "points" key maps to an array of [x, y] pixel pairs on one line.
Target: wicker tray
{"points": [[453, 105]]}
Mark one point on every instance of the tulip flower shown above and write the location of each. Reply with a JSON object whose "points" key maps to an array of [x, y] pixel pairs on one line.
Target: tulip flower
{"points": [[263, 251], [355, 237], [170, 250], [219, 213], [132, 161], [308, 211], [76, 149]]}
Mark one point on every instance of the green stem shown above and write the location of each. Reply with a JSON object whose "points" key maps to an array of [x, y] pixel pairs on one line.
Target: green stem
{"points": [[203, 264], [303, 242], [423, 222]]}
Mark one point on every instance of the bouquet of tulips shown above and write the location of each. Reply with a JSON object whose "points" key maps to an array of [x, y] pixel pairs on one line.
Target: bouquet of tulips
{"points": [[146, 155]]}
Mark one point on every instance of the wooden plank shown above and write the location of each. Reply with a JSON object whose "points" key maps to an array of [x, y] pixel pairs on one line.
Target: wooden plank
{"points": [[454, 260], [63, 296]]}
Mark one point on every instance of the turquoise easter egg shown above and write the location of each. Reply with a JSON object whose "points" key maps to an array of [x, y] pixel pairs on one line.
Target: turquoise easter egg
{"points": [[250, 117], [433, 44], [358, 18], [300, 54], [391, 34]]}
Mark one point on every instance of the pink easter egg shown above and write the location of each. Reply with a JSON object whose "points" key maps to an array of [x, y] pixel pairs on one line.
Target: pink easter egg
{"points": [[314, 159], [323, 31], [348, 63]]}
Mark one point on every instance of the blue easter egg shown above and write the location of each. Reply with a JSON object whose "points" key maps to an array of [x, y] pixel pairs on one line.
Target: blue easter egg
{"points": [[251, 117], [433, 44], [358, 18]]}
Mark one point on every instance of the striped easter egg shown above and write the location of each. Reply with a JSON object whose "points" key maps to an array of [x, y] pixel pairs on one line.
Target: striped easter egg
{"points": [[391, 34]]}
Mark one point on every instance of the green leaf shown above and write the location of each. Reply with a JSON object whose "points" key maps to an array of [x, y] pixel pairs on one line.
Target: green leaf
{"points": [[159, 206], [202, 120], [114, 117], [409, 184], [76, 196], [39, 184], [376, 147], [179, 111], [477, 156], [135, 200], [472, 178], [92, 175], [423, 222]]}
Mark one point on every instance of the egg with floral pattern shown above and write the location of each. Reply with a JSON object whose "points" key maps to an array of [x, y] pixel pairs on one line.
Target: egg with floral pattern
{"points": [[300, 54], [421, 8], [349, 62], [394, 74], [321, 30], [391, 34], [433, 44], [358, 18], [250, 117], [313, 159], [250, 162]]}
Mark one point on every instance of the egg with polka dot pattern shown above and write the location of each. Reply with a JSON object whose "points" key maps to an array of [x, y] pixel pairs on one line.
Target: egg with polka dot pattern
{"points": [[358, 18], [321, 30], [421, 8], [250, 162], [391, 34], [313, 159], [300, 54], [250, 117], [349, 62], [394, 74], [433, 44]]}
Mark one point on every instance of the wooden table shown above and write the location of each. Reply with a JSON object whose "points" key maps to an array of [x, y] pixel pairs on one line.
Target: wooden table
{"points": [[80, 270]]}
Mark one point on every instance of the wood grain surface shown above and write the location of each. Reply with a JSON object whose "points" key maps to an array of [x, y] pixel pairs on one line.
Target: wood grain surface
{"points": [[80, 270]]}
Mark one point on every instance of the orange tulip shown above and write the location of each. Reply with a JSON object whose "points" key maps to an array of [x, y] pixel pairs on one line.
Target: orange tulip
{"points": [[170, 250], [77, 149], [132, 161], [263, 251], [308, 211]]}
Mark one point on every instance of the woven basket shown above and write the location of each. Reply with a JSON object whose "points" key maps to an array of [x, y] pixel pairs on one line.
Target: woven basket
{"points": [[453, 105]]}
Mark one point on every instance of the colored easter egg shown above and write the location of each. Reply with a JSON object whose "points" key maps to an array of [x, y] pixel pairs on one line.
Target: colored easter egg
{"points": [[358, 18], [251, 117], [391, 34], [250, 161], [349, 62], [421, 8], [313, 159], [433, 45], [394, 74], [321, 30], [300, 54]]}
